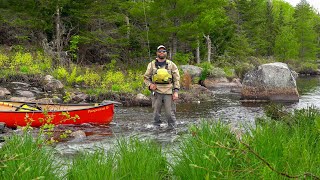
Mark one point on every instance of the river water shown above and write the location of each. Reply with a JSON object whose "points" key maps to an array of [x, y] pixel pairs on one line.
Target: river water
{"points": [[137, 121]]}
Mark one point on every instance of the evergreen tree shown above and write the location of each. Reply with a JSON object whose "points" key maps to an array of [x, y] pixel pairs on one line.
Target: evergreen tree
{"points": [[286, 44], [304, 26]]}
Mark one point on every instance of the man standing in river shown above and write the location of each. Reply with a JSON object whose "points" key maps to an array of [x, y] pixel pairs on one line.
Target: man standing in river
{"points": [[163, 79]]}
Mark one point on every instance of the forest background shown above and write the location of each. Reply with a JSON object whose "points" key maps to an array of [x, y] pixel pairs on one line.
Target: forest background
{"points": [[106, 45]]}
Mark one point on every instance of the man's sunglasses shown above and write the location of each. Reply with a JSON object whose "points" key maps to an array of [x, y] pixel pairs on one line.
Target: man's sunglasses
{"points": [[162, 51]]}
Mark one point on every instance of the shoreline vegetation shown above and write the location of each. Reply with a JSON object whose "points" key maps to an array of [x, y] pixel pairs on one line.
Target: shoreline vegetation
{"points": [[113, 81], [281, 145]]}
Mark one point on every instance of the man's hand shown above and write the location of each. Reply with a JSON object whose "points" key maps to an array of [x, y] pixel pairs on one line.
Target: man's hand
{"points": [[175, 96], [153, 87]]}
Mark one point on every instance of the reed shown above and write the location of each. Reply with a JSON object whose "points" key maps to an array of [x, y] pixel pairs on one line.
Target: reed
{"points": [[275, 149], [21, 157], [137, 159], [130, 159], [291, 148], [97, 165], [201, 156]]}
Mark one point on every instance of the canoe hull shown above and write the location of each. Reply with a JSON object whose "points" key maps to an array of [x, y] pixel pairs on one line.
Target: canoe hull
{"points": [[99, 114]]}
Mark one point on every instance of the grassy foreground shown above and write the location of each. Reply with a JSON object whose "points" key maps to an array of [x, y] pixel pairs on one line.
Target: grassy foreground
{"points": [[281, 147]]}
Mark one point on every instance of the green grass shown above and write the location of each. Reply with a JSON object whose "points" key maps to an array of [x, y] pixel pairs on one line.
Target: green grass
{"points": [[95, 166], [201, 157], [130, 159], [281, 148], [22, 157]]}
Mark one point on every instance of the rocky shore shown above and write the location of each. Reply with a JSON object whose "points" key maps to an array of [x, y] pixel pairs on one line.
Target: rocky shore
{"points": [[47, 89]]}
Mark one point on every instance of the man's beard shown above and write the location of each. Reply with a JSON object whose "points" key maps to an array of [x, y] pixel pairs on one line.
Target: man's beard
{"points": [[162, 57]]}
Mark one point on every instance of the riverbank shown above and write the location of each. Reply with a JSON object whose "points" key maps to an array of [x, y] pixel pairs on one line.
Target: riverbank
{"points": [[37, 88]]}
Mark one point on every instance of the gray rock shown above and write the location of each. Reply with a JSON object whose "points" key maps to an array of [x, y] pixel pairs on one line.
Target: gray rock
{"points": [[27, 94], [4, 92], [221, 83], [81, 97], [22, 99], [141, 97], [142, 100], [78, 136], [273, 81], [194, 71], [47, 79], [54, 86]]}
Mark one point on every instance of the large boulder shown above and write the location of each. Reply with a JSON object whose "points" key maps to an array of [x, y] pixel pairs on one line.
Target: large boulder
{"points": [[193, 71], [272, 82]]}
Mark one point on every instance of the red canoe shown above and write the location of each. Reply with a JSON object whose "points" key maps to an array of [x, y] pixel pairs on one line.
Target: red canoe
{"points": [[15, 114]]}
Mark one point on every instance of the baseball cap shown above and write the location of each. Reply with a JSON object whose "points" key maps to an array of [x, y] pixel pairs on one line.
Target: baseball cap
{"points": [[161, 46]]}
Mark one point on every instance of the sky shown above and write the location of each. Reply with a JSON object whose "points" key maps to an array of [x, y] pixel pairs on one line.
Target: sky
{"points": [[313, 3]]}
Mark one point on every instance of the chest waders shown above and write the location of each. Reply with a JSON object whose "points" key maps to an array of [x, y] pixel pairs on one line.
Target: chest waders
{"points": [[162, 76]]}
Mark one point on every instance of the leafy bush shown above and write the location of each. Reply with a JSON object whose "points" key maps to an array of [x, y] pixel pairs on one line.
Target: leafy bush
{"points": [[21, 59], [60, 73], [45, 62], [216, 73], [113, 78], [229, 72], [242, 69], [206, 68], [3, 60], [71, 79], [181, 59], [308, 68]]}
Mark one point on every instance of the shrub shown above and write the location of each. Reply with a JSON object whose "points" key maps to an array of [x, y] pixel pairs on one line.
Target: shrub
{"points": [[71, 79], [206, 68], [113, 78], [3, 60], [181, 59], [216, 73], [60, 73]]}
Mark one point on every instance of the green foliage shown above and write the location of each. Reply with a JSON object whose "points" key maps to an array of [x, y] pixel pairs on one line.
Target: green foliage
{"points": [[305, 31], [44, 61], [275, 111], [229, 72], [60, 73], [97, 165], [217, 73], [181, 59], [4, 60], [71, 79], [136, 159], [206, 69], [21, 157], [130, 159], [91, 78], [199, 155], [286, 44], [308, 68], [242, 69], [74, 46], [21, 59]]}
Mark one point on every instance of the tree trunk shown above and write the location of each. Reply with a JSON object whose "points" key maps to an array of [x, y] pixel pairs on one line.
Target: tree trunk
{"points": [[208, 46], [58, 35], [198, 52], [128, 27]]}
